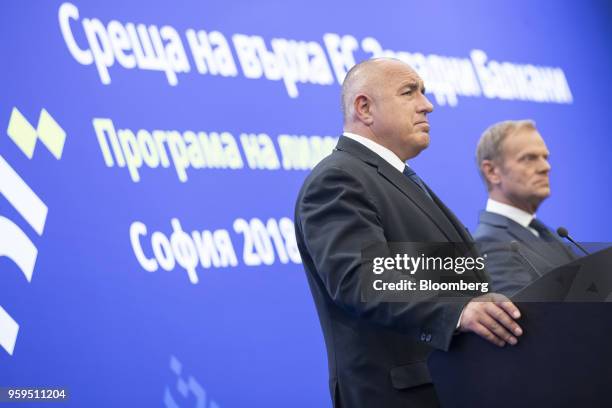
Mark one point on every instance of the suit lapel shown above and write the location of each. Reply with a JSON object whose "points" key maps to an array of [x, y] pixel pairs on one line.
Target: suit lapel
{"points": [[438, 214], [535, 244], [550, 252], [435, 210], [413, 193], [466, 237], [553, 249], [461, 230], [521, 233]]}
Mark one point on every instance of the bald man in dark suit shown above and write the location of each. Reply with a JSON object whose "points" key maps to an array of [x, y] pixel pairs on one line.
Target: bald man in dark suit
{"points": [[364, 193]]}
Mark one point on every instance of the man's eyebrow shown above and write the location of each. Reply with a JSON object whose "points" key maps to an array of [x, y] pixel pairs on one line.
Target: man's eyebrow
{"points": [[411, 83]]}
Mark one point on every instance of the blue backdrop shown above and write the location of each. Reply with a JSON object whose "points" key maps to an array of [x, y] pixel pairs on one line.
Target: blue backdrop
{"points": [[151, 153]]}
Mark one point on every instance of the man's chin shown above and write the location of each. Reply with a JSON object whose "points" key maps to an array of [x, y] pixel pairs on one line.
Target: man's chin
{"points": [[417, 143], [545, 191], [421, 146], [543, 194], [423, 140]]}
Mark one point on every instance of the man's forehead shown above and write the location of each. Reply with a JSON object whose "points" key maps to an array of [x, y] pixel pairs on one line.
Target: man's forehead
{"points": [[412, 81], [405, 76], [523, 140], [528, 135]]}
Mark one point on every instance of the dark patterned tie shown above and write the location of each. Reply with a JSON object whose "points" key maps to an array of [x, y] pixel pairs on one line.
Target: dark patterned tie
{"points": [[543, 230], [408, 172], [554, 242]]}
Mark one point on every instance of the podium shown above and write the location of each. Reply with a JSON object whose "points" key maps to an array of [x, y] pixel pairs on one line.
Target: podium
{"points": [[563, 359]]}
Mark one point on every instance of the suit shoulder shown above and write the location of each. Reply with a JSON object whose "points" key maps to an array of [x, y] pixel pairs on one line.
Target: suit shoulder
{"points": [[338, 175], [340, 163], [491, 233]]}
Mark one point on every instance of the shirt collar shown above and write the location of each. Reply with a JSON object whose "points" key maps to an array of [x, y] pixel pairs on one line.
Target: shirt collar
{"points": [[515, 214], [380, 150]]}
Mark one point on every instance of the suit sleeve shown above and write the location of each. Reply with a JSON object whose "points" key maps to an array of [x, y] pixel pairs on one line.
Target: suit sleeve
{"points": [[338, 220]]}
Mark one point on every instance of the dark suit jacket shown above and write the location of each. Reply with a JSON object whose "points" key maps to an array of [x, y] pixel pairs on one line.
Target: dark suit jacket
{"points": [[509, 271], [376, 350]]}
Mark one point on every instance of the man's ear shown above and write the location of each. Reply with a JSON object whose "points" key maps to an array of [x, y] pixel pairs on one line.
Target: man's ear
{"points": [[362, 104], [491, 172]]}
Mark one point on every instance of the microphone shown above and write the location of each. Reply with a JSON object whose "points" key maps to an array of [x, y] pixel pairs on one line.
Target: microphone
{"points": [[562, 232], [515, 246]]}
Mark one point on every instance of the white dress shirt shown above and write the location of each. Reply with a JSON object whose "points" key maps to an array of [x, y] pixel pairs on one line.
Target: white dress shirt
{"points": [[380, 150], [515, 214]]}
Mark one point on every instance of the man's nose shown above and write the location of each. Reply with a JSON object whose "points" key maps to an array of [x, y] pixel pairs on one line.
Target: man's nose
{"points": [[425, 105], [544, 166]]}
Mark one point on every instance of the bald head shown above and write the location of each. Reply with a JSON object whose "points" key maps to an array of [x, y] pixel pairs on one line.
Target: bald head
{"points": [[384, 100], [367, 77]]}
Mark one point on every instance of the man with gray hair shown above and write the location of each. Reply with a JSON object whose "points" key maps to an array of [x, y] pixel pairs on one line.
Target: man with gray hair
{"points": [[513, 162], [364, 194]]}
